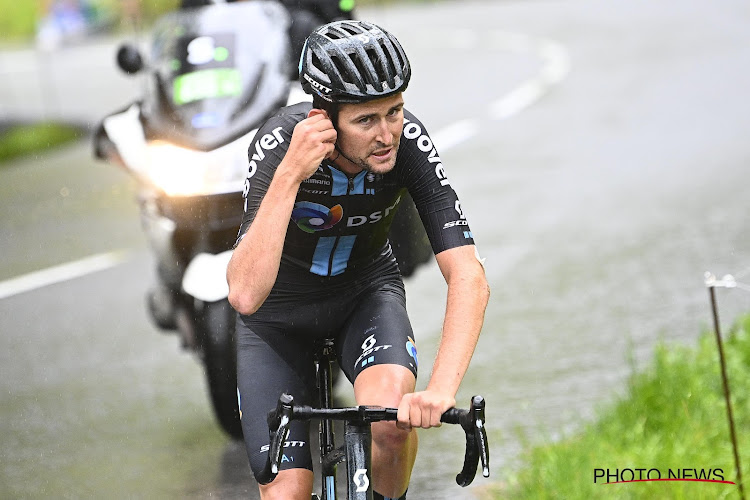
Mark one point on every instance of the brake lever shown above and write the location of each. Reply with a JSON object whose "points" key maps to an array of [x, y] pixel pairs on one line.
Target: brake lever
{"points": [[278, 431], [480, 433], [472, 422]]}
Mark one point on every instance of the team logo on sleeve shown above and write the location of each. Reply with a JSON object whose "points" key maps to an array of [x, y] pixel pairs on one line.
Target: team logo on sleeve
{"points": [[461, 217], [311, 217]]}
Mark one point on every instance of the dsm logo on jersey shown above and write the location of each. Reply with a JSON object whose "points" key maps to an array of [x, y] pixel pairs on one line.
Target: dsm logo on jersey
{"points": [[311, 217]]}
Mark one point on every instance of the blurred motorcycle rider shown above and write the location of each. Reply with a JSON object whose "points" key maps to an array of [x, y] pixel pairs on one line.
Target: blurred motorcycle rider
{"points": [[306, 15]]}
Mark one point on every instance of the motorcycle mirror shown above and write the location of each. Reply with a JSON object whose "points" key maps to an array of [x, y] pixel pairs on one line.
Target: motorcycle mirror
{"points": [[129, 59]]}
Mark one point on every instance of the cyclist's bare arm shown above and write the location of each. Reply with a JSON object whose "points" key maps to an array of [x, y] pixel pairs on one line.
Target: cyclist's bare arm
{"points": [[255, 262], [468, 294]]}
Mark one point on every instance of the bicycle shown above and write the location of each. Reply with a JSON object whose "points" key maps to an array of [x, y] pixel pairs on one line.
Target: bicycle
{"points": [[358, 437]]}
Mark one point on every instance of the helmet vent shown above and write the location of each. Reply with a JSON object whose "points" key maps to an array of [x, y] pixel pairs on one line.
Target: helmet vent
{"points": [[343, 30], [350, 30], [360, 66], [316, 60], [341, 69], [384, 65], [401, 63]]}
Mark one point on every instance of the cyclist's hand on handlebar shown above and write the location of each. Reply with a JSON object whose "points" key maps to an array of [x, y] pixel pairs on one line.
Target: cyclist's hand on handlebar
{"points": [[423, 409], [313, 140]]}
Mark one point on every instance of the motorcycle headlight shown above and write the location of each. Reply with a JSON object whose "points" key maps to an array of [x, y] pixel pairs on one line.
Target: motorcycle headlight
{"points": [[179, 171]]}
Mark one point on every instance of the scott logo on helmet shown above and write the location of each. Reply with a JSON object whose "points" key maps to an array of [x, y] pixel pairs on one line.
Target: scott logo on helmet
{"points": [[317, 85], [424, 143]]}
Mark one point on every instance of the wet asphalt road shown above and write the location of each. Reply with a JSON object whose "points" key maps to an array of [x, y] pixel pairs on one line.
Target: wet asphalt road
{"points": [[599, 203]]}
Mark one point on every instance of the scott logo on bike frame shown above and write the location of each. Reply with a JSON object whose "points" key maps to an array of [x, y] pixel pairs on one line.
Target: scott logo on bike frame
{"points": [[361, 481]]}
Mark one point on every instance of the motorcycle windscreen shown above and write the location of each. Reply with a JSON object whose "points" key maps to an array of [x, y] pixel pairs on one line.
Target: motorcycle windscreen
{"points": [[219, 71]]}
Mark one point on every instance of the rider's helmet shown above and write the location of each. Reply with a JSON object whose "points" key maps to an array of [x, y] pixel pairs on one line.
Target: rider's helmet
{"points": [[351, 62]]}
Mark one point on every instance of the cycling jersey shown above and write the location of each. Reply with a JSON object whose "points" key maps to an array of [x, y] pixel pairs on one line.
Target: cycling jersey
{"points": [[340, 223]]}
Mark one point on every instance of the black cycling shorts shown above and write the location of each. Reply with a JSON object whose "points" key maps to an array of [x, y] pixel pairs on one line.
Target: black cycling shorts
{"points": [[276, 348]]}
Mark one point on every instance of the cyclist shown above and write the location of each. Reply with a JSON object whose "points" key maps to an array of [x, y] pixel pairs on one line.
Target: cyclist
{"points": [[313, 260]]}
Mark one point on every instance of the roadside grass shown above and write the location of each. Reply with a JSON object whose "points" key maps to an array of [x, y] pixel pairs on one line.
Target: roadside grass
{"points": [[19, 19], [23, 139], [673, 419]]}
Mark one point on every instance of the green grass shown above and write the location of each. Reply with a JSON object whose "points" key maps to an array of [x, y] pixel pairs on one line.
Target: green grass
{"points": [[673, 417], [19, 140], [19, 18]]}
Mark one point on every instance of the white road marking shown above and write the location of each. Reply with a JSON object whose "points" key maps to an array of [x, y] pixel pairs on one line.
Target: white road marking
{"points": [[556, 66], [454, 134], [63, 272]]}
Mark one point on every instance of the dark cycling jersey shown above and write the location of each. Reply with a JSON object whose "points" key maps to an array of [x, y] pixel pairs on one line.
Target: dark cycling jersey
{"points": [[340, 223]]}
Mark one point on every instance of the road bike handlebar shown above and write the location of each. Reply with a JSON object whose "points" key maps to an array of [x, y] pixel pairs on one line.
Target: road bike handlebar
{"points": [[471, 421]]}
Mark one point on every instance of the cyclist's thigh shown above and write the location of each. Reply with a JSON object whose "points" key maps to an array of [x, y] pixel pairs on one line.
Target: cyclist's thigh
{"points": [[378, 332], [268, 364]]}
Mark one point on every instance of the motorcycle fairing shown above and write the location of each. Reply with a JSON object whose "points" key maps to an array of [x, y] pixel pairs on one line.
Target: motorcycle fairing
{"points": [[217, 71]]}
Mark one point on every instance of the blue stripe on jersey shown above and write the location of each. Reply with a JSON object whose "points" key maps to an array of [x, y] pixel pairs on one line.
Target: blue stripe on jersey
{"points": [[332, 255], [342, 253], [322, 255], [340, 183], [359, 183]]}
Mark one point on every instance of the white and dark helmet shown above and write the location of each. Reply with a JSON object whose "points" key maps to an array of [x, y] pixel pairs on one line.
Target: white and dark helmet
{"points": [[353, 61]]}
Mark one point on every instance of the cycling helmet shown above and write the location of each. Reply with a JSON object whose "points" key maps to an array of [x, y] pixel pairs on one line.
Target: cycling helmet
{"points": [[353, 61]]}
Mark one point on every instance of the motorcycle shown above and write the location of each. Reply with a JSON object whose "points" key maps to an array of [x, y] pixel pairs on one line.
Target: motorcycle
{"points": [[214, 75]]}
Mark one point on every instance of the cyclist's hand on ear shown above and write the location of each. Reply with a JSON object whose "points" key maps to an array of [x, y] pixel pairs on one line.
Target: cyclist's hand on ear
{"points": [[313, 140], [423, 409]]}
